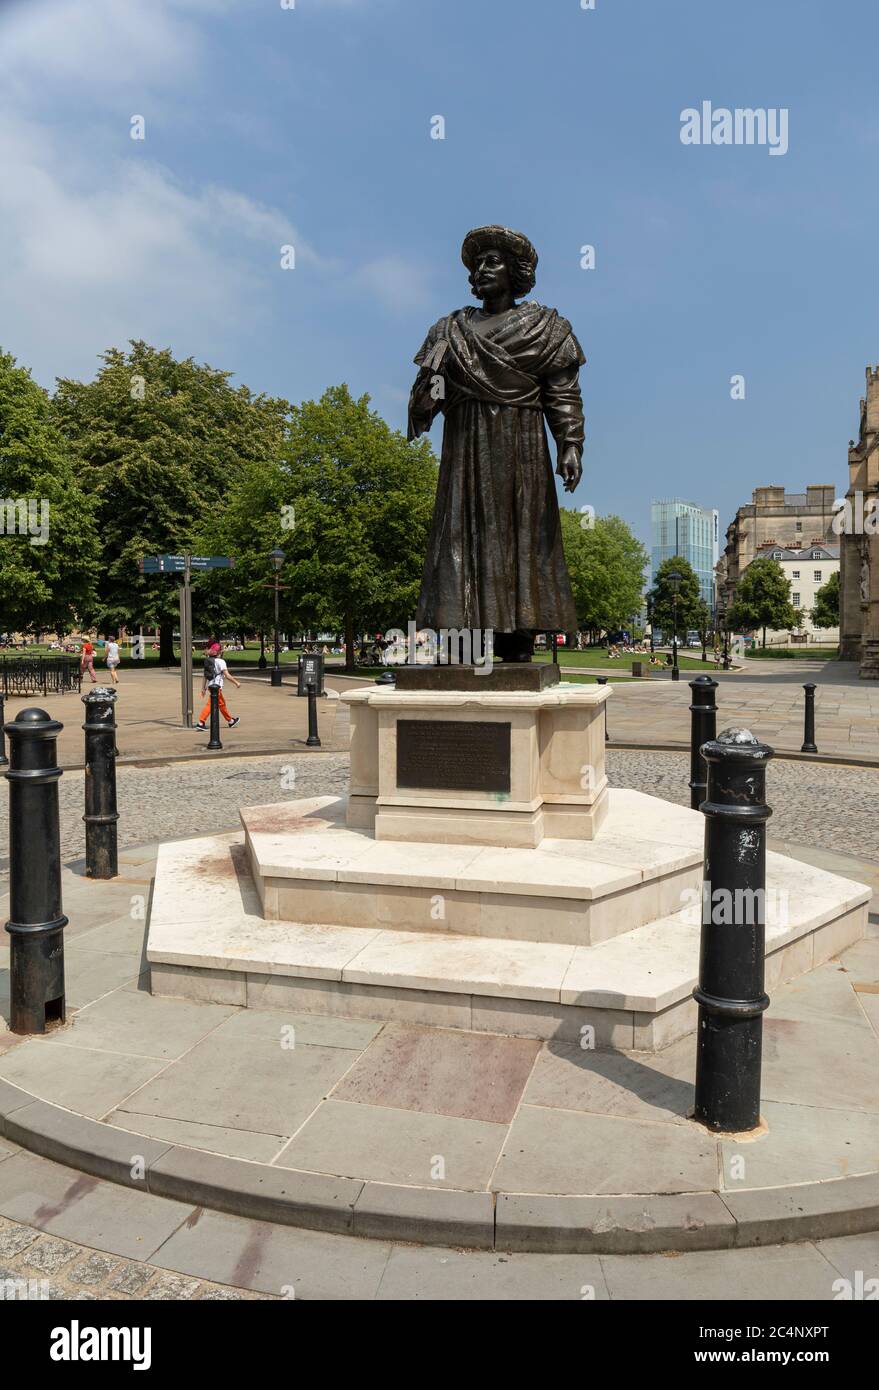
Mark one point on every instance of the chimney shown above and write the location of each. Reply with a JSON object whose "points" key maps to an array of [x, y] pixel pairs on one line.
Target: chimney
{"points": [[872, 417]]}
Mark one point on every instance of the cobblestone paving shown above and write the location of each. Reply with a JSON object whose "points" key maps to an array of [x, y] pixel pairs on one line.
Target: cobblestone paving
{"points": [[161, 802], [815, 804], [37, 1267]]}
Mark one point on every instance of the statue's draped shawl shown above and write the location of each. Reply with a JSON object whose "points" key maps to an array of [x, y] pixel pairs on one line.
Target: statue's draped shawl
{"points": [[495, 557], [505, 366]]}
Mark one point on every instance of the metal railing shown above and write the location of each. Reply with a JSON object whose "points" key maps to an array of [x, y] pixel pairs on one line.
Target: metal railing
{"points": [[39, 675]]}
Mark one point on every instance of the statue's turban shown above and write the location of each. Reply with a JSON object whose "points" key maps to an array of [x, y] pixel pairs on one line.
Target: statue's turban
{"points": [[481, 239]]}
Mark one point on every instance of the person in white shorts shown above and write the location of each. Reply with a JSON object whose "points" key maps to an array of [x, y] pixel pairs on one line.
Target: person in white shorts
{"points": [[112, 658]]}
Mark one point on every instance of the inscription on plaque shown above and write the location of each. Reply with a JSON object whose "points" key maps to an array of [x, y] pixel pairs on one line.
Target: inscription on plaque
{"points": [[443, 754]]}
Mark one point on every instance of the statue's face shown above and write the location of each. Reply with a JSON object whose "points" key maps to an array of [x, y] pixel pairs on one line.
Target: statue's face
{"points": [[490, 274]]}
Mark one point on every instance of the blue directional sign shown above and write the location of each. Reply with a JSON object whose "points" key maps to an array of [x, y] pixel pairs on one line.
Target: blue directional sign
{"points": [[176, 564]]}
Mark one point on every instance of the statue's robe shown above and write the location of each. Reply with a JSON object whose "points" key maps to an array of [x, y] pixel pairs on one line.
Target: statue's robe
{"points": [[494, 557]]}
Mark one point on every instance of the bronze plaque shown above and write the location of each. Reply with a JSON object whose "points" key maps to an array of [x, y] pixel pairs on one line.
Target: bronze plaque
{"points": [[444, 755]]}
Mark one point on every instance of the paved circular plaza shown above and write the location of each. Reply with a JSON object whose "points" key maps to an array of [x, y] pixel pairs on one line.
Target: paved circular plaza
{"points": [[818, 805]]}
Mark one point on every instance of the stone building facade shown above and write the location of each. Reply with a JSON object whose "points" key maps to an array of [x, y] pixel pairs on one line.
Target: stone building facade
{"points": [[774, 519], [857, 523]]}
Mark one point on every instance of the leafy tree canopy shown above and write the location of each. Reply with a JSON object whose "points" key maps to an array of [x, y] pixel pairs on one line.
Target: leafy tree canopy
{"points": [[606, 564], [158, 443], [762, 598], [690, 604], [48, 544], [826, 610], [349, 501]]}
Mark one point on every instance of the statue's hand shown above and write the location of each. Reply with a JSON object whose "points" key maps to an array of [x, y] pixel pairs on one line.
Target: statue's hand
{"points": [[570, 467]]}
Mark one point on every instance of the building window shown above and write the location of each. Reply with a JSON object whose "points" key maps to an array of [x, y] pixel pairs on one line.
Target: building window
{"points": [[776, 554], [816, 554], [799, 526], [817, 576], [796, 574], [795, 599]]}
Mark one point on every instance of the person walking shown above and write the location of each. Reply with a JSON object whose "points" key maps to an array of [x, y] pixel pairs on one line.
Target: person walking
{"points": [[112, 657], [215, 672], [87, 660]]}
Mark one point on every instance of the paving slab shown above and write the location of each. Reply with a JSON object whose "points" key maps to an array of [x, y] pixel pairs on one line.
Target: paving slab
{"points": [[474, 1275], [142, 1026], [237, 1143], [297, 1029], [260, 1086], [396, 1146], [803, 1144], [74, 1206], [798, 1272], [89, 1083], [275, 1259], [851, 1255], [442, 1072], [826, 993], [795, 1063], [566, 1151], [568, 1077], [88, 975], [123, 936]]}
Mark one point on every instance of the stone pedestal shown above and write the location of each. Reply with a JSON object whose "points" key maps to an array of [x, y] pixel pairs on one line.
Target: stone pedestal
{"points": [[485, 767]]}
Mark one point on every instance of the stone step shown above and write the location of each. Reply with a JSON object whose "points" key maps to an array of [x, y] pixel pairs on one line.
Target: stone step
{"points": [[645, 863], [209, 940]]}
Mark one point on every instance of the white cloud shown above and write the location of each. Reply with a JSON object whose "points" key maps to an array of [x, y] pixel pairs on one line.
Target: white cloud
{"points": [[96, 246], [99, 243], [101, 45]]}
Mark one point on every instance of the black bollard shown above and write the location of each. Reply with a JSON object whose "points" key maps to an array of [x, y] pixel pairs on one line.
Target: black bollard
{"points": [[4, 761], [602, 680], [809, 728], [214, 692], [312, 741], [730, 992], [36, 922], [703, 728], [101, 814]]}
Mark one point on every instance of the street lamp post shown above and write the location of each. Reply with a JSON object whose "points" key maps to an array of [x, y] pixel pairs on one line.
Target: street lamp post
{"points": [[674, 580], [277, 558], [724, 618]]}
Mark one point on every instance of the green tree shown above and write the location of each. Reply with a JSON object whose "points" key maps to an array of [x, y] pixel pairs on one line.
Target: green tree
{"points": [[48, 546], [158, 442], [762, 598], [703, 625], [662, 597], [606, 564], [826, 610], [349, 502]]}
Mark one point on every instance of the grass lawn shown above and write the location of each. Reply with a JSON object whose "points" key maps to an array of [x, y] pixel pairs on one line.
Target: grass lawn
{"points": [[794, 653], [598, 658], [370, 673], [248, 657]]}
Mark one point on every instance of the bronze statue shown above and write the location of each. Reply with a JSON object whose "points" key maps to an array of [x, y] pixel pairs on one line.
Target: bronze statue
{"points": [[494, 558]]}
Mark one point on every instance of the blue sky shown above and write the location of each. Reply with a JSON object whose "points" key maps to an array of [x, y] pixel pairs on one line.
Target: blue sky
{"points": [[310, 127]]}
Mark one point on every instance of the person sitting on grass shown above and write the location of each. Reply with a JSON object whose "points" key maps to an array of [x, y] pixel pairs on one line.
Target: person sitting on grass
{"points": [[215, 671]]}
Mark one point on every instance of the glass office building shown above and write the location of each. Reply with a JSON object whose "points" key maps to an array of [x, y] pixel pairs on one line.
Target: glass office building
{"points": [[682, 528]]}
